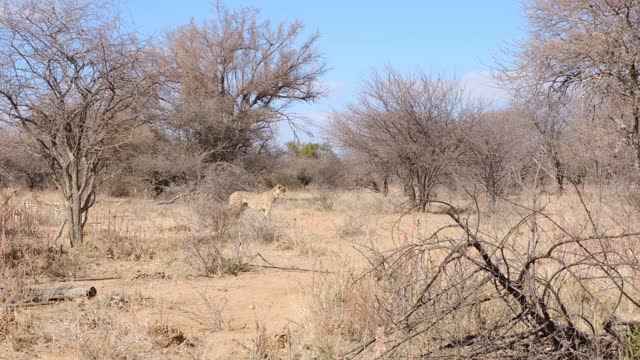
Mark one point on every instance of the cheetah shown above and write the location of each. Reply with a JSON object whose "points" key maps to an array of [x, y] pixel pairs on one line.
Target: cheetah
{"points": [[6, 195], [33, 203], [262, 201]]}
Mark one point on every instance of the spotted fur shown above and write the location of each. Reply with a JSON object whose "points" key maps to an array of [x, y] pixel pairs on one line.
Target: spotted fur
{"points": [[33, 203], [261, 201], [6, 195]]}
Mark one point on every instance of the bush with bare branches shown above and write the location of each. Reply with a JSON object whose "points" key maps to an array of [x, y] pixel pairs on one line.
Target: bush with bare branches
{"points": [[413, 125], [87, 82], [541, 290], [499, 149], [587, 48]]}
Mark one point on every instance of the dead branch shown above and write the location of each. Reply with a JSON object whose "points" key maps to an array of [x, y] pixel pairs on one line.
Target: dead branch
{"points": [[188, 193], [45, 295]]}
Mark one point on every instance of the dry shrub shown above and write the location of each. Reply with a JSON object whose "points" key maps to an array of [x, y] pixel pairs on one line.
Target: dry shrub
{"points": [[221, 179], [344, 307], [295, 243], [21, 221], [298, 243], [103, 336], [351, 227], [166, 336], [120, 186], [20, 259], [19, 331], [122, 246], [265, 346], [218, 249], [259, 229], [211, 318], [38, 261], [530, 287], [107, 327], [325, 197], [363, 201], [117, 239], [217, 219], [213, 256]]}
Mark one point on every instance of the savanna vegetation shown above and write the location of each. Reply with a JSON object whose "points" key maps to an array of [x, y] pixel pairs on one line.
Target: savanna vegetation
{"points": [[425, 224]]}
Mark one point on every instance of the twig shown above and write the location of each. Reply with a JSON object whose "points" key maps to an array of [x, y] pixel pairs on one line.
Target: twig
{"points": [[284, 268], [190, 192], [295, 269], [24, 305], [55, 240], [89, 279]]}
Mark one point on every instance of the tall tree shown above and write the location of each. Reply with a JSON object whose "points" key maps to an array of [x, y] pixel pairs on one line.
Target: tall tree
{"points": [[549, 117], [500, 146], [76, 85], [592, 46], [235, 77], [413, 125]]}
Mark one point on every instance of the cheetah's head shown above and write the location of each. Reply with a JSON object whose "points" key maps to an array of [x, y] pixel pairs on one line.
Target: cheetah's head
{"points": [[279, 190]]}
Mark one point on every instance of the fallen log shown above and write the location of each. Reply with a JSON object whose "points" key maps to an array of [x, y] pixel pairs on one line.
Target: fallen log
{"points": [[46, 295]]}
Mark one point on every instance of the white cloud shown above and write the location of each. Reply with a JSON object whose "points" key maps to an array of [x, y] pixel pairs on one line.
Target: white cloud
{"points": [[478, 85], [482, 85], [333, 88]]}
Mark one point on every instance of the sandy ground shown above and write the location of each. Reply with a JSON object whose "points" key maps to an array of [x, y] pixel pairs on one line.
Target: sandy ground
{"points": [[161, 286], [276, 299]]}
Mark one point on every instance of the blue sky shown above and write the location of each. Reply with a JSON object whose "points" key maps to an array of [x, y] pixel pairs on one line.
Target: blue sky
{"points": [[450, 38]]}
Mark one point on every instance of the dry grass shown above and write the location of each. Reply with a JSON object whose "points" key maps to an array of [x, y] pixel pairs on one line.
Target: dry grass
{"points": [[103, 328], [211, 257], [255, 228], [20, 221], [351, 227], [156, 248], [325, 198], [211, 318], [359, 305], [269, 346]]}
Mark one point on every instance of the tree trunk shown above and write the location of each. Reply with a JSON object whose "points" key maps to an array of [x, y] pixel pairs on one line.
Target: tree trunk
{"points": [[636, 158], [559, 174], [424, 190], [75, 222], [410, 191], [385, 186], [78, 186]]}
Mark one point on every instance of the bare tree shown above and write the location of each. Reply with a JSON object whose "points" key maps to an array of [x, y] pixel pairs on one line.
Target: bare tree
{"points": [[549, 118], [76, 85], [237, 76], [501, 144], [361, 173], [19, 165], [412, 124], [592, 46], [593, 151]]}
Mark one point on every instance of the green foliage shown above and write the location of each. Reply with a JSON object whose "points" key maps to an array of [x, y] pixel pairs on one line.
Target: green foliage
{"points": [[632, 348], [311, 150], [293, 148]]}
